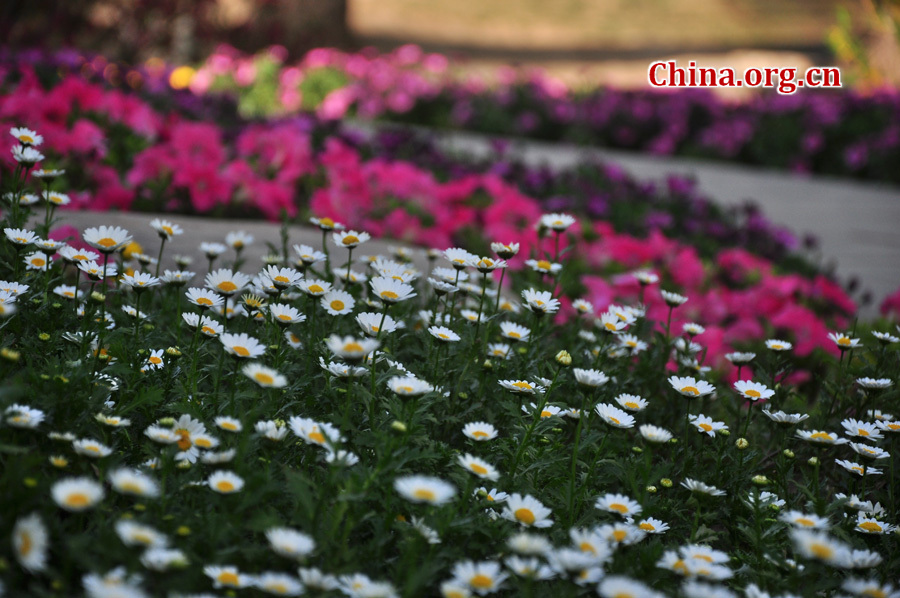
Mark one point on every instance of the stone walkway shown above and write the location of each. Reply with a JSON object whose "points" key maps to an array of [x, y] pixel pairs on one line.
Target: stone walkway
{"points": [[856, 223]]}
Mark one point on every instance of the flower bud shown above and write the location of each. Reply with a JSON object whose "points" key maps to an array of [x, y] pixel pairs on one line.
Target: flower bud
{"points": [[651, 489], [665, 483], [814, 461], [760, 480], [9, 354], [398, 426], [788, 453], [44, 336], [564, 359], [98, 297], [173, 352], [724, 432], [487, 364], [741, 443]]}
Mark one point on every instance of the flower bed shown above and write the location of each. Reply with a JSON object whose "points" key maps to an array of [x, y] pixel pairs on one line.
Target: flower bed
{"points": [[832, 132], [342, 424]]}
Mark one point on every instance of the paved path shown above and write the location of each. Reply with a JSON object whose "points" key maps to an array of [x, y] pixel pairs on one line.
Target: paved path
{"points": [[857, 224]]}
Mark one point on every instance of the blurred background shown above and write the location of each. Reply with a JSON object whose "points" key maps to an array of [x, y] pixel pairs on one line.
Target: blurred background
{"points": [[583, 42]]}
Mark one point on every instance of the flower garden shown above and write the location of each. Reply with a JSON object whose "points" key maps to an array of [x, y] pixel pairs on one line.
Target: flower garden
{"points": [[562, 384]]}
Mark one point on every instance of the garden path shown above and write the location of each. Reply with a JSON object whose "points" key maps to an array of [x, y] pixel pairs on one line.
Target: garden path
{"points": [[856, 223]]}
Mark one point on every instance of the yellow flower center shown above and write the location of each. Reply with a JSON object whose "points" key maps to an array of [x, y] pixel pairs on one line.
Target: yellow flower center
{"points": [[844, 341], [406, 389], [228, 426], [350, 240], [263, 378], [26, 139], [242, 351], [546, 413], [778, 346], [132, 487], [326, 222], [614, 420], [859, 470], [481, 582], [39, 262], [155, 360], [227, 578], [106, 242], [142, 538], [647, 527], [525, 516], [203, 442], [424, 494], [690, 389], [587, 547], [225, 486], [822, 551], [478, 469], [337, 305], [208, 330], [443, 336], [631, 405], [705, 427], [389, 295], [623, 595], [317, 436], [514, 335], [480, 434], [703, 557], [77, 500], [283, 279], [874, 593], [184, 442], [610, 326], [870, 526], [752, 393], [544, 265], [314, 288], [862, 432], [284, 317], [25, 543], [227, 286], [619, 535], [804, 521], [204, 301], [353, 348], [522, 385], [618, 507], [821, 436]]}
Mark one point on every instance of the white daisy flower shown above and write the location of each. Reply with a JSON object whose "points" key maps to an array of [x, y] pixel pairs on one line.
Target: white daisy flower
{"points": [[619, 503], [76, 494], [31, 542], [614, 416], [337, 303], [527, 511], [480, 431], [424, 489], [479, 467], [225, 482], [106, 239], [691, 387]]}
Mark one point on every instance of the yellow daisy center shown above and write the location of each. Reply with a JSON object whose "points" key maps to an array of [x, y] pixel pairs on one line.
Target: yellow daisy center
{"points": [[106, 242], [480, 434], [619, 535], [752, 393], [870, 526], [481, 582], [132, 487], [208, 330], [326, 222], [77, 500], [263, 378], [705, 427], [647, 527], [618, 507], [690, 389], [284, 317], [155, 360], [350, 240], [631, 405], [314, 288], [184, 442], [844, 341], [821, 436], [26, 139], [283, 279], [857, 469], [546, 413], [353, 348], [514, 335], [587, 547], [862, 432], [228, 426], [478, 469], [242, 351], [525, 516], [39, 262], [874, 593], [544, 265], [522, 385], [614, 420], [424, 494], [225, 486], [228, 578], [227, 286], [822, 551], [25, 543], [317, 437], [610, 326], [804, 521], [337, 305], [389, 295], [204, 301]]}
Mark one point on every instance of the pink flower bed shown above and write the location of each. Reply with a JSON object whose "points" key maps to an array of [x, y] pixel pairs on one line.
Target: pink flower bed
{"points": [[123, 154]]}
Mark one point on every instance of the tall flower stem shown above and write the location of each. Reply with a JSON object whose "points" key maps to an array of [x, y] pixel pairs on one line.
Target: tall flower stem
{"points": [[534, 422], [162, 244]]}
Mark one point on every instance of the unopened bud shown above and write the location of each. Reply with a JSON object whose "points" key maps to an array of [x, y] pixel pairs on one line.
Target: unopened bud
{"points": [[760, 480], [398, 426], [814, 461], [741, 443], [666, 483], [788, 453], [651, 489], [564, 359]]}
